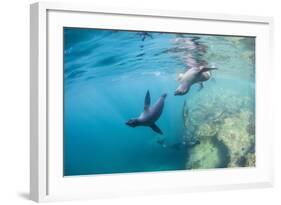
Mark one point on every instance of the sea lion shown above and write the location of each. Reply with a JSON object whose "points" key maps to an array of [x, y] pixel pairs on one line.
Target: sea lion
{"points": [[192, 76], [144, 35], [150, 114], [162, 142], [184, 144]]}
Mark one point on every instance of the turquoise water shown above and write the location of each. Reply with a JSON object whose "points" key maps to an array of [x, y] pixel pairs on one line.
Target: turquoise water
{"points": [[106, 76]]}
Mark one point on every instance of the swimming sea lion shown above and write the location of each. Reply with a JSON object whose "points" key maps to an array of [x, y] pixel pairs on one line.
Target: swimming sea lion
{"points": [[150, 114], [192, 76]]}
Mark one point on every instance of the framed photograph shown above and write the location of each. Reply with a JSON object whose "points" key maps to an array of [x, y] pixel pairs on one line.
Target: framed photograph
{"points": [[128, 102]]}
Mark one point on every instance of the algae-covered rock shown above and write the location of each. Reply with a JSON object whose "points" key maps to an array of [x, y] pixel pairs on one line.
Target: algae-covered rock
{"points": [[225, 127], [205, 155], [209, 153], [234, 135], [206, 130], [250, 160]]}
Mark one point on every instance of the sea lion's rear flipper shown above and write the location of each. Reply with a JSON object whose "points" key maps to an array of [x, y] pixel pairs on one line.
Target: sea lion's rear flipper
{"points": [[201, 86], [147, 101], [156, 129], [205, 69]]}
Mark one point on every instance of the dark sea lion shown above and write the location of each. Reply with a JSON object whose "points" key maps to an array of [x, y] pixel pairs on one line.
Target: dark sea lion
{"points": [[162, 142], [150, 114], [145, 35], [192, 76], [184, 145]]}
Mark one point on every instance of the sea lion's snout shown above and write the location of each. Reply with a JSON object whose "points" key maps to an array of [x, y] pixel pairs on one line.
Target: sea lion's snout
{"points": [[182, 89], [178, 92], [164, 95], [132, 122]]}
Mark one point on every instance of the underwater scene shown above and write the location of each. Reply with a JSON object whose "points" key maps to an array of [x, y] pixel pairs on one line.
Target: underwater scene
{"points": [[138, 101]]}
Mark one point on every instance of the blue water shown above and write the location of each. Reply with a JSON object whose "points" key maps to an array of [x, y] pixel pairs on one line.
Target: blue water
{"points": [[106, 76]]}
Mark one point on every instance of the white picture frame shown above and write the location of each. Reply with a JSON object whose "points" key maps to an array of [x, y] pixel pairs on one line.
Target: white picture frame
{"points": [[46, 178]]}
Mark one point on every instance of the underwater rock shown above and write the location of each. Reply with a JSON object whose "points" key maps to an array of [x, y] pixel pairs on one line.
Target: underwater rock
{"points": [[206, 130], [251, 128], [250, 160], [225, 127], [234, 135], [210, 153], [204, 155]]}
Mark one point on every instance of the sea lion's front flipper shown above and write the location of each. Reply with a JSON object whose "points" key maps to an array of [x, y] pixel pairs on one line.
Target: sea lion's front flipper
{"points": [[156, 129], [147, 101], [201, 86]]}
